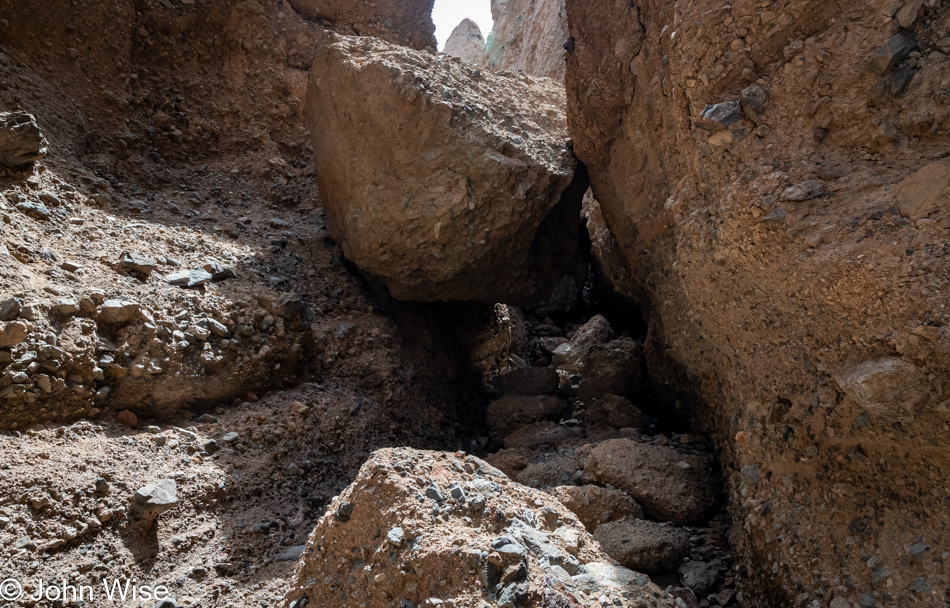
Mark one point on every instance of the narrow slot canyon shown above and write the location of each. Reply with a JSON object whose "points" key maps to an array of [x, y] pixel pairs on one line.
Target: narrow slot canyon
{"points": [[616, 303]]}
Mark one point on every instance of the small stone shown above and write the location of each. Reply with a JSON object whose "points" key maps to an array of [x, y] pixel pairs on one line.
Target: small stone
{"points": [[21, 141], [701, 577], [10, 309], [136, 263], [895, 50], [102, 486], [154, 499], [195, 277], [12, 333], [35, 210], [118, 311], [300, 602], [775, 216], [718, 117], [230, 437], [344, 511], [219, 272], [292, 554], [909, 13], [750, 473], [804, 191], [753, 102], [396, 537], [207, 419], [65, 307], [24, 542], [127, 418]]}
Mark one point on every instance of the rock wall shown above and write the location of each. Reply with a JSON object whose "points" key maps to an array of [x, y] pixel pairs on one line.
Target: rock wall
{"points": [[466, 43], [405, 22], [772, 172], [528, 35]]}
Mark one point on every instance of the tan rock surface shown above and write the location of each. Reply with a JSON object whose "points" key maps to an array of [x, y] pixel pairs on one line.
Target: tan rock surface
{"points": [[413, 519], [762, 292], [442, 184]]}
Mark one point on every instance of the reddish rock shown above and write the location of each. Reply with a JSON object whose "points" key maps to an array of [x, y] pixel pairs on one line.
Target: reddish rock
{"points": [[127, 418]]}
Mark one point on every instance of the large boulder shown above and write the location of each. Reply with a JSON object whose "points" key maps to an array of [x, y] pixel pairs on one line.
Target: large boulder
{"points": [[441, 182], [595, 505], [405, 22], [508, 414], [648, 546], [428, 528], [670, 486], [774, 176], [467, 43]]}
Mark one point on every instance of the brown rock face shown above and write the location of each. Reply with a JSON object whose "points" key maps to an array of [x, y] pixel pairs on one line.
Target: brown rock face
{"points": [[671, 486], [466, 43], [475, 539], [405, 22], [440, 183], [772, 175], [528, 35]]}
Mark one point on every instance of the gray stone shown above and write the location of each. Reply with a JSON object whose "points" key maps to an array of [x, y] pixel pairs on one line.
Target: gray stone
{"points": [[118, 311], [154, 499], [230, 437], [645, 546], [344, 511], [24, 542], [719, 116], [194, 277], [889, 387], [300, 602], [34, 210], [396, 537], [21, 141], [10, 309], [753, 102], [292, 554], [776, 216], [699, 576], [137, 263], [804, 191], [219, 272], [894, 50], [750, 473]]}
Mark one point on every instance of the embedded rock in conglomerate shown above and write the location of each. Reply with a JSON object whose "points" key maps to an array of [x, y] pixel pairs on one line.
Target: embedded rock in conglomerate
{"points": [[441, 181], [405, 22], [467, 43], [430, 528], [21, 141]]}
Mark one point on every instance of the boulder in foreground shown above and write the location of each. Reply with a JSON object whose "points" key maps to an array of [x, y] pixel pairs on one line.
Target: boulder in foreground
{"points": [[441, 181], [429, 528]]}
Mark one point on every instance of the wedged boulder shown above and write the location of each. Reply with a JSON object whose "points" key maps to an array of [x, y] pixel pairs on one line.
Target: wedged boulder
{"points": [[21, 141], [595, 505], [573, 356], [511, 462], [670, 486], [508, 414], [440, 182], [529, 381], [467, 43], [405, 22], [470, 537], [647, 546]]}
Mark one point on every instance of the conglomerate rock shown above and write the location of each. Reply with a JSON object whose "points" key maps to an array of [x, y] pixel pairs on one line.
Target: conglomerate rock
{"points": [[441, 181], [405, 22], [772, 173], [430, 528]]}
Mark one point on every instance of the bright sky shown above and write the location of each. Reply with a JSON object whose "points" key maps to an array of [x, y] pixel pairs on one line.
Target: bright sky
{"points": [[449, 13]]}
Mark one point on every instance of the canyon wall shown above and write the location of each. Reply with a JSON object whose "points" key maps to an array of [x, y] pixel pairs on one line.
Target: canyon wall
{"points": [[528, 35], [774, 174]]}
